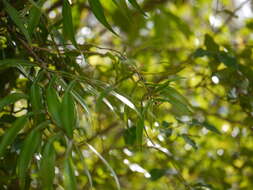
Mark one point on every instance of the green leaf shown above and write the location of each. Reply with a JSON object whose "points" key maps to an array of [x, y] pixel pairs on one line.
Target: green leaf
{"points": [[207, 125], [157, 173], [47, 164], [69, 175], [139, 131], [13, 13], [11, 98], [34, 16], [37, 101], [31, 144], [15, 63], [210, 44], [189, 141], [11, 133], [106, 163], [68, 112], [211, 127], [53, 104], [68, 29], [98, 11], [137, 6], [130, 135]]}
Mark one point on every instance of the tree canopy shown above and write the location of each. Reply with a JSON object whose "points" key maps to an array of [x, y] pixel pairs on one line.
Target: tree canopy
{"points": [[126, 94]]}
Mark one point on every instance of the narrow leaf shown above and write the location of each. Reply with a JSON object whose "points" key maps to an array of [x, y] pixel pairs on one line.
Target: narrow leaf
{"points": [[29, 148], [106, 163], [68, 112], [68, 29], [11, 98], [69, 175], [98, 11], [53, 104], [13, 13], [36, 101], [47, 165], [34, 16], [11, 134], [15, 63], [137, 6], [139, 131]]}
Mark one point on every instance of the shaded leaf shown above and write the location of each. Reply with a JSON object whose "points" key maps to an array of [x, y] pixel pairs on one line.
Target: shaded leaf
{"points": [[12, 132], [157, 173], [15, 63], [34, 16], [29, 148], [53, 104], [13, 13], [130, 136]]}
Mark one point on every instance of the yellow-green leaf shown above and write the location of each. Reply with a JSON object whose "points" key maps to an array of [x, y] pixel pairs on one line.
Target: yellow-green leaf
{"points": [[11, 98]]}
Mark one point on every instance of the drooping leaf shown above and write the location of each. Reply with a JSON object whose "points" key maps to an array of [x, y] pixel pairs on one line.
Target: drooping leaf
{"points": [[137, 6], [68, 29], [30, 146], [11, 98], [47, 165], [12, 132], [69, 175], [37, 101], [53, 104], [107, 165], [98, 11], [13, 13], [68, 112]]}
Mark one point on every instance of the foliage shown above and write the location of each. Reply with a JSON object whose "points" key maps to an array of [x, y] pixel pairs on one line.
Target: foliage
{"points": [[125, 94]]}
